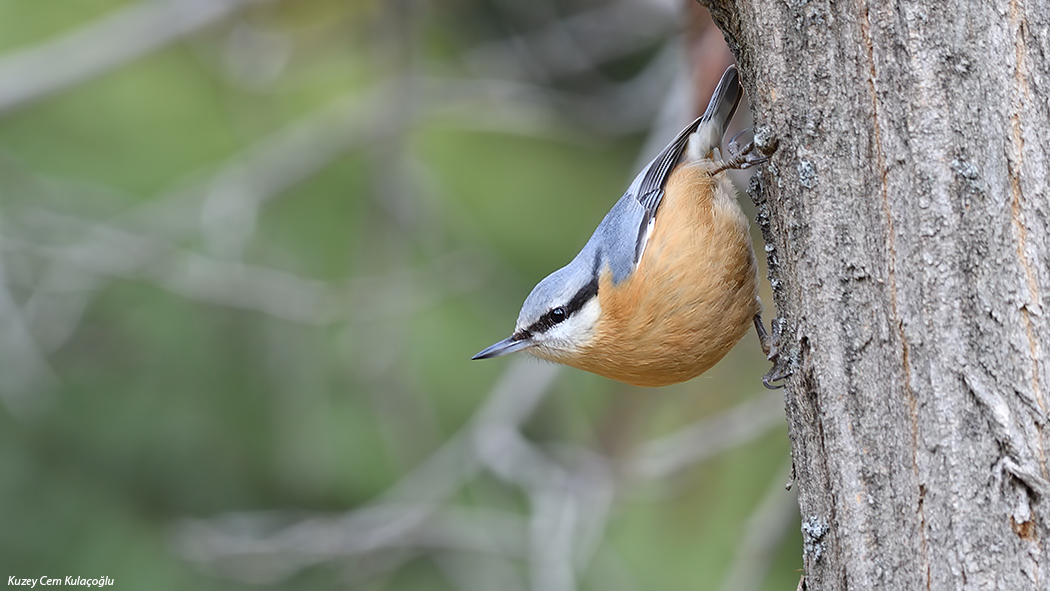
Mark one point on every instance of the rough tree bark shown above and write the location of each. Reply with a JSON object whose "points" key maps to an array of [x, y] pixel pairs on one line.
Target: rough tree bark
{"points": [[906, 211]]}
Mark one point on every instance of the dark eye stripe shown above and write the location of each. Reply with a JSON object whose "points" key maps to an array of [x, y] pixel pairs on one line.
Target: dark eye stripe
{"points": [[561, 313], [582, 297]]}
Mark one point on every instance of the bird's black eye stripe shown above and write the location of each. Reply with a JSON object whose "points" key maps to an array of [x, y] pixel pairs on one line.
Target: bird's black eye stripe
{"points": [[552, 317], [561, 313]]}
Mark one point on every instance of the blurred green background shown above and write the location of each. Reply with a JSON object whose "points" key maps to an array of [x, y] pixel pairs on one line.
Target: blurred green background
{"points": [[247, 249]]}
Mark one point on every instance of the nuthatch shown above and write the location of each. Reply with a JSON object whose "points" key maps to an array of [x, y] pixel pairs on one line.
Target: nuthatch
{"points": [[667, 284]]}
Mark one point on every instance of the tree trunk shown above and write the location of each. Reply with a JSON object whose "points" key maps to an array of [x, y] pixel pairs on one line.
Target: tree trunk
{"points": [[906, 211]]}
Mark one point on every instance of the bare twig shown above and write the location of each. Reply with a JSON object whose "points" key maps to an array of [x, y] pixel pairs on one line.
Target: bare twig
{"points": [[111, 253], [25, 369], [395, 519], [708, 437], [103, 45], [272, 546], [578, 43]]}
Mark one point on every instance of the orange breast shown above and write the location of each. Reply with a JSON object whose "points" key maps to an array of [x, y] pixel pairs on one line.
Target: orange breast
{"points": [[693, 295]]}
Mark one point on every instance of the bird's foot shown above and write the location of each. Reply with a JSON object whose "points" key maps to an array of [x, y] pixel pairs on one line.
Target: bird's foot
{"points": [[781, 369], [741, 156]]}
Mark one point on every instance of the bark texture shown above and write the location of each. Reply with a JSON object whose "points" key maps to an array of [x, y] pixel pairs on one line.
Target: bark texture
{"points": [[906, 208]]}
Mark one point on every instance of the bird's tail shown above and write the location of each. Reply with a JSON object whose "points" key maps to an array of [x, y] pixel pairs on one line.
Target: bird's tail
{"points": [[716, 118]]}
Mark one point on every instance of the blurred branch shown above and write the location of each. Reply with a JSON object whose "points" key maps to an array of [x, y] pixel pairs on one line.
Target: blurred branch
{"points": [[706, 438], [228, 201], [625, 107], [568, 505], [223, 206], [469, 574], [398, 518], [280, 294], [521, 388], [103, 45], [24, 367], [264, 547], [577, 43]]}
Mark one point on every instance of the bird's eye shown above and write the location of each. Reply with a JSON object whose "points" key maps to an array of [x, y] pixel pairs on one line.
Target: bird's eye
{"points": [[557, 315]]}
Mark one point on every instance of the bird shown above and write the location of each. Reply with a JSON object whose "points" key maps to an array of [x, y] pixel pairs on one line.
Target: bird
{"points": [[668, 282]]}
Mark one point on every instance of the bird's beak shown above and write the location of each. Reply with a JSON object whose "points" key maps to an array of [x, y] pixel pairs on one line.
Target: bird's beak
{"points": [[505, 347]]}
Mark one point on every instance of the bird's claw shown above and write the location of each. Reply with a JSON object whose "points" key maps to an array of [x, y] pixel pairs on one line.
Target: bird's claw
{"points": [[778, 373], [781, 369], [741, 157]]}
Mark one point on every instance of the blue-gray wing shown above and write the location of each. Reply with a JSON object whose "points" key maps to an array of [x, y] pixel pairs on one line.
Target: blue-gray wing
{"points": [[620, 238], [616, 237], [648, 186]]}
